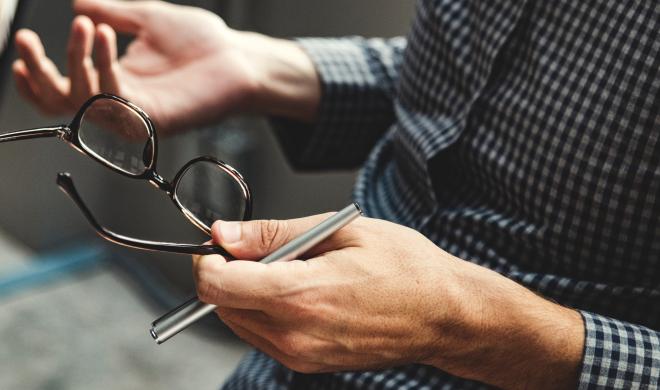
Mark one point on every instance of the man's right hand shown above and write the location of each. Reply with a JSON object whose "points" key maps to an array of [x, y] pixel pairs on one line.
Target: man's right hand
{"points": [[185, 67]]}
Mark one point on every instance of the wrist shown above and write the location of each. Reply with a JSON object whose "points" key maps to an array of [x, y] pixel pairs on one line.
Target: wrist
{"points": [[511, 337], [546, 343], [284, 80]]}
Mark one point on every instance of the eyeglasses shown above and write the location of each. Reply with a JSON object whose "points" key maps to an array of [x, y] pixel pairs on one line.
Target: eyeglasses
{"points": [[119, 135]]}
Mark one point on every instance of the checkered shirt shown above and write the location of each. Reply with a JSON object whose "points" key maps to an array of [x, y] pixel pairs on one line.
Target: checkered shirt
{"points": [[523, 136]]}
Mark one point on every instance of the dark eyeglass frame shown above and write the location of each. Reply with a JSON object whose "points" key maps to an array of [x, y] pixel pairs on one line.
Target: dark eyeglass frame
{"points": [[71, 135]]}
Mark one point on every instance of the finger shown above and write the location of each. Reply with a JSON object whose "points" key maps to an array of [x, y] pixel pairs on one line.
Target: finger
{"points": [[271, 288], [25, 87], [294, 352], [106, 59], [81, 68], [253, 240], [256, 320], [22, 77], [237, 284], [196, 259], [46, 80], [272, 327], [250, 285], [123, 16], [260, 343]]}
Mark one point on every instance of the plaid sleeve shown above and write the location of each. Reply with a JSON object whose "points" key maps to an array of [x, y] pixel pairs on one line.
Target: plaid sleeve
{"points": [[619, 355], [358, 82]]}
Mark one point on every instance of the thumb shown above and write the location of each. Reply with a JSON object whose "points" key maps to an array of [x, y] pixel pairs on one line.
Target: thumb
{"points": [[254, 240], [123, 16]]}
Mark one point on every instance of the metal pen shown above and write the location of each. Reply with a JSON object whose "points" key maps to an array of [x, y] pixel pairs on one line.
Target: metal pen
{"points": [[192, 310]]}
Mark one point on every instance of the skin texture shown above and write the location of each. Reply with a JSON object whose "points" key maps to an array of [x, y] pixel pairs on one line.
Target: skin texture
{"points": [[200, 74], [375, 294]]}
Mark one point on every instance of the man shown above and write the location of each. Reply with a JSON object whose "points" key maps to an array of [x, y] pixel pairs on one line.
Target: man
{"points": [[513, 145]]}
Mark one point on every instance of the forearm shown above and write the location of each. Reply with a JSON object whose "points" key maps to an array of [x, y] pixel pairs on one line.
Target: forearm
{"points": [[355, 100], [512, 338], [285, 82]]}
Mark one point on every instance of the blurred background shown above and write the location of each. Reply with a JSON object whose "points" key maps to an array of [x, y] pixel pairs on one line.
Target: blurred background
{"points": [[74, 310]]}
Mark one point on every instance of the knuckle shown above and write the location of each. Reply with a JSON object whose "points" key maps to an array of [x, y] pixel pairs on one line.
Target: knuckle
{"points": [[199, 266], [208, 292], [270, 231], [226, 314], [88, 64], [203, 289], [39, 67], [207, 283]]}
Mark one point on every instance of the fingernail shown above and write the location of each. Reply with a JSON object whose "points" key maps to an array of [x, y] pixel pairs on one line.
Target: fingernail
{"points": [[230, 232]]}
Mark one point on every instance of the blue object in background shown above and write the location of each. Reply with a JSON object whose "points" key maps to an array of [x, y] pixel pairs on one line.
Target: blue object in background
{"points": [[51, 267]]}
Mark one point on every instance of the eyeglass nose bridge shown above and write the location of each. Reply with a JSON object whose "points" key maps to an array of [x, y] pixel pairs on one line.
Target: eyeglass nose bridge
{"points": [[159, 182]]}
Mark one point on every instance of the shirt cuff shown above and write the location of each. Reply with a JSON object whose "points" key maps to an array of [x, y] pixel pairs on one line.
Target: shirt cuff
{"points": [[357, 87], [619, 355]]}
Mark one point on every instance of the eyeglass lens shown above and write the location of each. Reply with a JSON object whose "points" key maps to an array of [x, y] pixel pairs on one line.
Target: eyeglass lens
{"points": [[208, 193], [116, 134]]}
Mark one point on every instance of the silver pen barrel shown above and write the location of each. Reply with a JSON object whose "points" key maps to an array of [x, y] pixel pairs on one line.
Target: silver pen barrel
{"points": [[191, 311]]}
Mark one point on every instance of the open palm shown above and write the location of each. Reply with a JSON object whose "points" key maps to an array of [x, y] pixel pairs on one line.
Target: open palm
{"points": [[184, 66]]}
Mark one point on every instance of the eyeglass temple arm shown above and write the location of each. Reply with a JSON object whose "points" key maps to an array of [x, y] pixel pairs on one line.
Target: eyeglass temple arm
{"points": [[65, 183], [42, 132]]}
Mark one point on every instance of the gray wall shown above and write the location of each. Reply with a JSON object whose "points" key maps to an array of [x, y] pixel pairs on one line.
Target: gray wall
{"points": [[331, 18], [34, 211]]}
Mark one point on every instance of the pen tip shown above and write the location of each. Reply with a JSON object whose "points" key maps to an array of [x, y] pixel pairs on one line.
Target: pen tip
{"points": [[359, 209]]}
